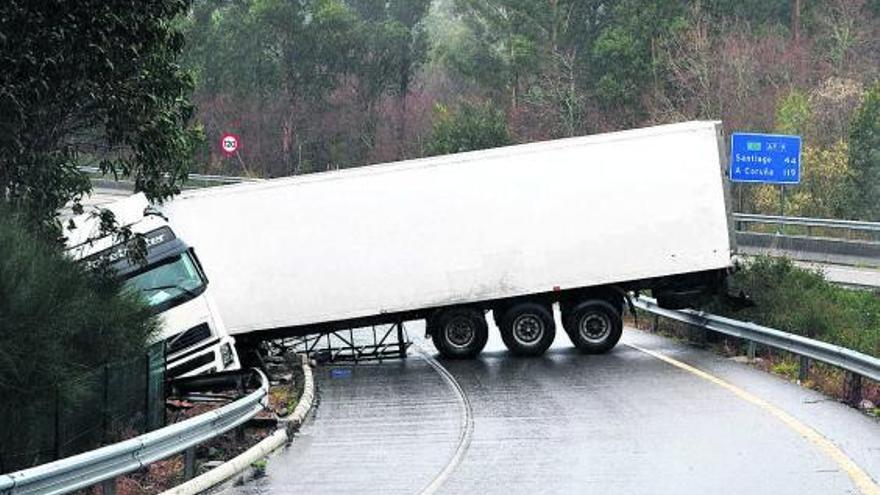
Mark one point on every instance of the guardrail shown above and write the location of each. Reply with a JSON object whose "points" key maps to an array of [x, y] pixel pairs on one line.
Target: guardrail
{"points": [[856, 364], [221, 179], [848, 225], [103, 465], [207, 178]]}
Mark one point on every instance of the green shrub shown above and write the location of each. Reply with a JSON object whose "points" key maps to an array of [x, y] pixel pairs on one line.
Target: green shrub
{"points": [[786, 367], [58, 320], [469, 128], [801, 301]]}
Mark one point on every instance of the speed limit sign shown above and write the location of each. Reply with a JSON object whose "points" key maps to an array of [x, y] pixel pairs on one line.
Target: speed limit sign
{"points": [[230, 144]]}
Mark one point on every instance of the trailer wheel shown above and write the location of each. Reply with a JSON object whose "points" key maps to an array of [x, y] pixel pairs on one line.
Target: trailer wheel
{"points": [[459, 333], [593, 326], [527, 329]]}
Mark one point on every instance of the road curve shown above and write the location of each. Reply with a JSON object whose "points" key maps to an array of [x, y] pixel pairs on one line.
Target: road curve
{"points": [[625, 422]]}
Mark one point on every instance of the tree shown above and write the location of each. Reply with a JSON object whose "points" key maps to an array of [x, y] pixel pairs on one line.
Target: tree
{"points": [[689, 61], [502, 42], [864, 154], [826, 188], [756, 12], [392, 46], [91, 83], [844, 29], [315, 41], [413, 53], [304, 82], [471, 127], [794, 114], [534, 56], [377, 70], [625, 54], [58, 319]]}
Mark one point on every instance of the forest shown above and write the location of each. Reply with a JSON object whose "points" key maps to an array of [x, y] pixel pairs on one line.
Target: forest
{"points": [[313, 85]]}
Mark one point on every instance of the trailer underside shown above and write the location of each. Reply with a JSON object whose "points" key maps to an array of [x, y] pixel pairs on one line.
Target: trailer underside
{"points": [[386, 336]]}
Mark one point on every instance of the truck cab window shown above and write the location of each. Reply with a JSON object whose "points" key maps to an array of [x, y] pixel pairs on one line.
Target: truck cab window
{"points": [[174, 280]]}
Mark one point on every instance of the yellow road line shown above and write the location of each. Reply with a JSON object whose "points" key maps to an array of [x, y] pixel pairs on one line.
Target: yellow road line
{"points": [[861, 479]]}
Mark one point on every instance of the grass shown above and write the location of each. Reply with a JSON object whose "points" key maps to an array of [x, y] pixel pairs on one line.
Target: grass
{"points": [[283, 400], [259, 467], [786, 367]]}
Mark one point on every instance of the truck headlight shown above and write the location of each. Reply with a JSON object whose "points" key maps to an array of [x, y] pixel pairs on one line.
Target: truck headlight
{"points": [[226, 355]]}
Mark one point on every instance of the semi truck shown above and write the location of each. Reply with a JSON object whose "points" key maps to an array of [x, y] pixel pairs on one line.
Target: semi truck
{"points": [[507, 232], [168, 275]]}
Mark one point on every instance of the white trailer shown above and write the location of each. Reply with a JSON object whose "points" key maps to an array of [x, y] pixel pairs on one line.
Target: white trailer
{"points": [[577, 221]]}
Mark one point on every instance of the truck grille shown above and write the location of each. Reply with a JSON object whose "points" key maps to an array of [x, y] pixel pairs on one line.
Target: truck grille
{"points": [[190, 365], [188, 338]]}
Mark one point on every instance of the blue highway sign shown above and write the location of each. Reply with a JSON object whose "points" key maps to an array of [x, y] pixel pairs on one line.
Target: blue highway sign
{"points": [[765, 158]]}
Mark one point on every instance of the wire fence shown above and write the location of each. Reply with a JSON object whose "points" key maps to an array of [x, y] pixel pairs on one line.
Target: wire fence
{"points": [[103, 405]]}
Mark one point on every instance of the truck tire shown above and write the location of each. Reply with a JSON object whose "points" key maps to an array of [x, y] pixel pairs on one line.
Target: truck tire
{"points": [[459, 333], [527, 329], [593, 326]]}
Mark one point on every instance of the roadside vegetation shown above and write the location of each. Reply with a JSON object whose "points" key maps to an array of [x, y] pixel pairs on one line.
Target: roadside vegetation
{"points": [[91, 83], [57, 319], [83, 83], [312, 85], [70, 340], [801, 301]]}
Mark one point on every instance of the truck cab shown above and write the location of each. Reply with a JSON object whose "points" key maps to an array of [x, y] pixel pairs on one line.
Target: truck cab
{"points": [[169, 277]]}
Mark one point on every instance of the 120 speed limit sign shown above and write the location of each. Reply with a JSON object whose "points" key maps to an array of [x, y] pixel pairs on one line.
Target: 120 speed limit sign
{"points": [[230, 144]]}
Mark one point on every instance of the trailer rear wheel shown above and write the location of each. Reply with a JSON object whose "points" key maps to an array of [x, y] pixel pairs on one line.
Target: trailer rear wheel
{"points": [[459, 333], [527, 329], [593, 326]]}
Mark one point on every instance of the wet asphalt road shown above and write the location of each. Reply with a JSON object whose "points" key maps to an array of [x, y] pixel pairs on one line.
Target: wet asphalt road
{"points": [[625, 422], [856, 276]]}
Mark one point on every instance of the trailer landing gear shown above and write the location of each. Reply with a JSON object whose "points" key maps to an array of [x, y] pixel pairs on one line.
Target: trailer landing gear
{"points": [[374, 343]]}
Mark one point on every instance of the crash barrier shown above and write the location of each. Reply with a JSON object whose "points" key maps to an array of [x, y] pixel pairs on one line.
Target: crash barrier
{"points": [[856, 364], [103, 465]]}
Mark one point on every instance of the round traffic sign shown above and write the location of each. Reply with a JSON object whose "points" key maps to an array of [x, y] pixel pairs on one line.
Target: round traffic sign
{"points": [[230, 144]]}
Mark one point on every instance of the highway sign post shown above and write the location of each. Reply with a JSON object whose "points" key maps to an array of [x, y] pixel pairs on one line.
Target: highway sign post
{"points": [[766, 159]]}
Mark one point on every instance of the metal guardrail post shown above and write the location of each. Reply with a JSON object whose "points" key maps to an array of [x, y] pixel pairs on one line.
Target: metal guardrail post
{"points": [[239, 434], [108, 487], [750, 352], [852, 388], [189, 463], [803, 368], [697, 337]]}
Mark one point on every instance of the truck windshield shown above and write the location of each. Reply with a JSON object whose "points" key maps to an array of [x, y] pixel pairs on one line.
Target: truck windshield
{"points": [[169, 283]]}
